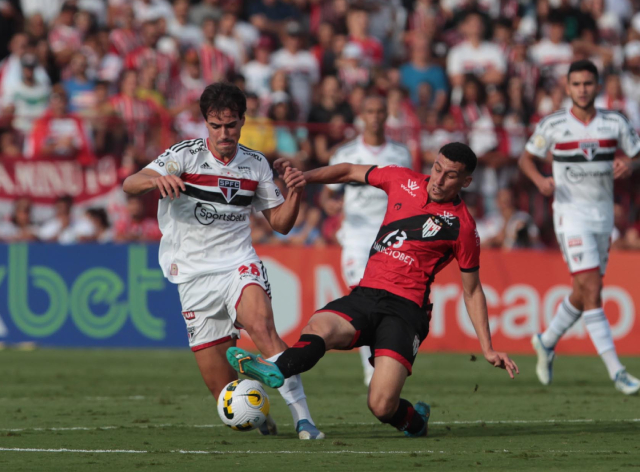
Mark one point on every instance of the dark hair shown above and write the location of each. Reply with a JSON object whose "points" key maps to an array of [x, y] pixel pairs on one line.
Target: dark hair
{"points": [[221, 96], [458, 152], [555, 17], [66, 199], [583, 65], [101, 215]]}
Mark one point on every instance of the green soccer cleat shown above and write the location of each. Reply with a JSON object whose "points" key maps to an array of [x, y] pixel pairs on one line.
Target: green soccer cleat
{"points": [[255, 367], [423, 410]]}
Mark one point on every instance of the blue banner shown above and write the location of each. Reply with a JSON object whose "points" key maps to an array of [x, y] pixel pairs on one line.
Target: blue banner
{"points": [[86, 296]]}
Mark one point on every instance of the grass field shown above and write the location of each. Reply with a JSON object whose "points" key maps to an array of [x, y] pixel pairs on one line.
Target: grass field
{"points": [[122, 410]]}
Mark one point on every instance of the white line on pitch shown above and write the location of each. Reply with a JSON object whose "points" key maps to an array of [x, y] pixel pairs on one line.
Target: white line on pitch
{"points": [[180, 451], [440, 423]]}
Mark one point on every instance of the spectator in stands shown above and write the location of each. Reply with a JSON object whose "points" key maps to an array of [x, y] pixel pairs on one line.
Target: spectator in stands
{"points": [[149, 53], [358, 28], [258, 132], [59, 133], [187, 34], [258, 71], [11, 67], [79, 88], [508, 228], [152, 9], [189, 123], [28, 99], [204, 10], [420, 70], [337, 133], [475, 56], [9, 144], [323, 50], [291, 141], [215, 64], [521, 66], [270, 16], [402, 123], [437, 134], [229, 40], [552, 54], [20, 226], [330, 102], [300, 66], [125, 38], [102, 232], [64, 228], [134, 226], [352, 71], [631, 75], [613, 99], [65, 38]]}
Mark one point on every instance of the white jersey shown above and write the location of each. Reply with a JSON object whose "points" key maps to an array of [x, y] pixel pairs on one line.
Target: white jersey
{"points": [[365, 206], [206, 230], [583, 165]]}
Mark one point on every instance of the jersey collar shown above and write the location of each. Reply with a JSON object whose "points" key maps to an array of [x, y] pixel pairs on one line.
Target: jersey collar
{"points": [[217, 158], [579, 120]]}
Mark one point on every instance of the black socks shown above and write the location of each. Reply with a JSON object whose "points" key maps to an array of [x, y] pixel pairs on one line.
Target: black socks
{"points": [[302, 356], [406, 418]]}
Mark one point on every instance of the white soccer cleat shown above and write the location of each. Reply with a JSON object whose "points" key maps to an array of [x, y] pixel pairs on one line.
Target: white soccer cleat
{"points": [[626, 383], [544, 367]]}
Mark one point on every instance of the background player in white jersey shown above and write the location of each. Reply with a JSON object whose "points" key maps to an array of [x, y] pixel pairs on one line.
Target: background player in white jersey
{"points": [[208, 188], [364, 206], [583, 141]]}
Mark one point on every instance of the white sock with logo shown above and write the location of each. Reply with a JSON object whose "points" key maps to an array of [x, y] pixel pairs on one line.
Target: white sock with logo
{"points": [[293, 393], [600, 333], [566, 315]]}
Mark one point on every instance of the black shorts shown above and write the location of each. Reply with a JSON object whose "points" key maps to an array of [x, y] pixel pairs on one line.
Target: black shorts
{"points": [[392, 325]]}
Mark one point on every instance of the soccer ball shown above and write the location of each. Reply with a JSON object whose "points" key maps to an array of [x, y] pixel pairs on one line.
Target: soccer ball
{"points": [[243, 405]]}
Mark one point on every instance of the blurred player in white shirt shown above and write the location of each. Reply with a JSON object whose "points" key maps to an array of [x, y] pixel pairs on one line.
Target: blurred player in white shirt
{"points": [[583, 141], [208, 188], [364, 206]]}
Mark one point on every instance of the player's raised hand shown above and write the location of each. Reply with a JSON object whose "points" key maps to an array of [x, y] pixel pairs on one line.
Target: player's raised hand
{"points": [[294, 179], [281, 164], [501, 359], [622, 167], [169, 185], [546, 186]]}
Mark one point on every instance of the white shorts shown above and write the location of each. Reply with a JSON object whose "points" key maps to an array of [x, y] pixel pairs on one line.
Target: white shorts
{"points": [[583, 251], [209, 303], [354, 262]]}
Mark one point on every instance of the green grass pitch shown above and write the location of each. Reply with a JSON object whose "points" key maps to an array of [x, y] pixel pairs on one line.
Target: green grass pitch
{"points": [[149, 410]]}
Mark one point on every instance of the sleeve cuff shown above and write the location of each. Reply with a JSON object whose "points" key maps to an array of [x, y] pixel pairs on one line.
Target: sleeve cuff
{"points": [[366, 176], [472, 269]]}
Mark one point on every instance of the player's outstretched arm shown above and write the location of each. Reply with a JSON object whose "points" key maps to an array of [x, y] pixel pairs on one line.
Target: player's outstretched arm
{"points": [[476, 304], [527, 165], [147, 180], [283, 217], [336, 174]]}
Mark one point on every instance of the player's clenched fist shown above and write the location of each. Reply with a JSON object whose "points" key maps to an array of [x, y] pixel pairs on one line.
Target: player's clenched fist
{"points": [[169, 185], [547, 186], [281, 164]]}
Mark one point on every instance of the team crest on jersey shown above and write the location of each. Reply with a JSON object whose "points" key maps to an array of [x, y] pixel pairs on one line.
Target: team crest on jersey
{"points": [[229, 188], [589, 148], [431, 227]]}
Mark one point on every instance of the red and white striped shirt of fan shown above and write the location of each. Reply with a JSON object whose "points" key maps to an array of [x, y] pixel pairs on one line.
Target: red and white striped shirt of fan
{"points": [[214, 64], [165, 65]]}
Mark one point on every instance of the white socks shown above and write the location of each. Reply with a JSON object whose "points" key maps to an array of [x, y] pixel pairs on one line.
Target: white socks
{"points": [[365, 354], [600, 334], [293, 393], [565, 317]]}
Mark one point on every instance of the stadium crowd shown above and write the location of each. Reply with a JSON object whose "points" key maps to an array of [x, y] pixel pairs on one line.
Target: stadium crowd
{"points": [[85, 79]]}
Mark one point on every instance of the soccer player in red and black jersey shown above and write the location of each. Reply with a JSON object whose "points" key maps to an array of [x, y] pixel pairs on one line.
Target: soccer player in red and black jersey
{"points": [[425, 227]]}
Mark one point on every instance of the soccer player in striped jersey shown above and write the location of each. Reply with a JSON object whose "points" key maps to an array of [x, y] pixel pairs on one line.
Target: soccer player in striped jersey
{"points": [[208, 188], [583, 141]]}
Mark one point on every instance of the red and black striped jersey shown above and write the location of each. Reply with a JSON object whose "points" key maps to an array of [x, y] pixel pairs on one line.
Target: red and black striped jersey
{"points": [[418, 238]]}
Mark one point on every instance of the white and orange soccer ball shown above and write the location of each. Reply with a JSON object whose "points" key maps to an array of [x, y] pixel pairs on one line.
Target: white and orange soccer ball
{"points": [[243, 405]]}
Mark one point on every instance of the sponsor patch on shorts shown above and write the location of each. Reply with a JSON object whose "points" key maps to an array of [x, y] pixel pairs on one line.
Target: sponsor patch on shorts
{"points": [[189, 315], [575, 241]]}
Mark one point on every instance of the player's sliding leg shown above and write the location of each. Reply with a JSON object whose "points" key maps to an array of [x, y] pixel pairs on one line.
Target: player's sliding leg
{"points": [[385, 403], [365, 355], [254, 313]]}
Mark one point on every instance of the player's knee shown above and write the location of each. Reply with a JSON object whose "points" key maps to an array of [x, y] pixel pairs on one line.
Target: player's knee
{"points": [[382, 406], [313, 328], [260, 328]]}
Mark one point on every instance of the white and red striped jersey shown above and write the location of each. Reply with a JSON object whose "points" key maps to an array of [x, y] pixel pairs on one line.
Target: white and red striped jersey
{"points": [[214, 64], [207, 230], [65, 37], [123, 41], [583, 156], [143, 55], [136, 115]]}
